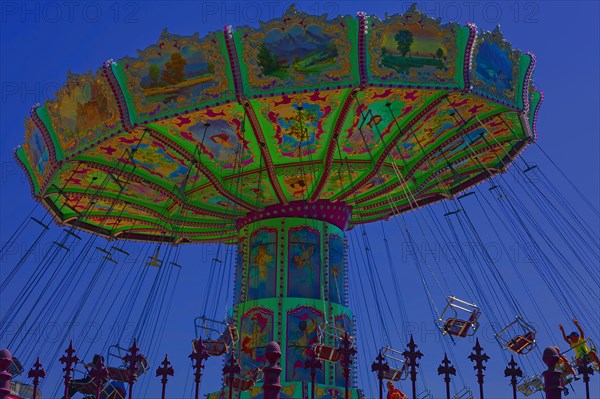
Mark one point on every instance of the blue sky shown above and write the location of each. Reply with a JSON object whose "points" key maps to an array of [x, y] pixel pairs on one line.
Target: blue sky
{"points": [[41, 41]]}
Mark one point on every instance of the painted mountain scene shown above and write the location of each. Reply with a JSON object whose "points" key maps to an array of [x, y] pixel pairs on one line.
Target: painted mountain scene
{"points": [[304, 51]]}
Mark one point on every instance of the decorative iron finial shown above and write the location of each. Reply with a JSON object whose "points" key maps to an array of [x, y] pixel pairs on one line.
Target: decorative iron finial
{"points": [[513, 371], [69, 359], [347, 351], [313, 363], [133, 358], [232, 368], [380, 366], [479, 357], [36, 373], [99, 374], [165, 370], [586, 370], [447, 369], [412, 355], [198, 356]]}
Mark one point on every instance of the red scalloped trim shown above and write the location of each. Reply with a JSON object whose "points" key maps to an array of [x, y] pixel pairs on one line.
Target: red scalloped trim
{"points": [[535, 115], [26, 171], [264, 150], [362, 48], [389, 148], [118, 94], [156, 187], [234, 63], [468, 60], [527, 81], [203, 169], [53, 164], [333, 142]]}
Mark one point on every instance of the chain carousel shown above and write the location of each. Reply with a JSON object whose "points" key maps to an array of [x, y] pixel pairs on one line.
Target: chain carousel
{"points": [[278, 140]]}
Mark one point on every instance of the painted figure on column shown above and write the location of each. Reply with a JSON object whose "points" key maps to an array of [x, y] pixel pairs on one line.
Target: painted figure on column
{"points": [[302, 334], [256, 333], [262, 272], [304, 274]]}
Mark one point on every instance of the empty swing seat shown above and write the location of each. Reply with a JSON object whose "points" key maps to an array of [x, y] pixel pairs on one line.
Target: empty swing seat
{"points": [[458, 327], [240, 384], [328, 353], [530, 386], [221, 345], [521, 343], [393, 374], [246, 384]]}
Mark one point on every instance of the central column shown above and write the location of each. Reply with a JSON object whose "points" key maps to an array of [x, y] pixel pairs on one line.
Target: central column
{"points": [[291, 280]]}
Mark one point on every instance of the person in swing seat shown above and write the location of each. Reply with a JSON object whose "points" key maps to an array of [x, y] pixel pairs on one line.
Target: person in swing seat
{"points": [[393, 392], [577, 341]]}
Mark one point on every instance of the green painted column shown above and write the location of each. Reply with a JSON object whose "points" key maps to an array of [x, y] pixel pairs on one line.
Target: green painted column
{"points": [[291, 281]]}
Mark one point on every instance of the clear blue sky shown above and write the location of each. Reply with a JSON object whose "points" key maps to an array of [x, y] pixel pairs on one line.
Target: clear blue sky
{"points": [[41, 41]]}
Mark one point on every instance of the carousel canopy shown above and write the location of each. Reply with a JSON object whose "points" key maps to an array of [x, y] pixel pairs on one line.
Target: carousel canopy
{"points": [[195, 133]]}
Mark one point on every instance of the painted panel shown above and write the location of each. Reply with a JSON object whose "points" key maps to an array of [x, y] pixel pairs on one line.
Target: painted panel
{"points": [[256, 331], [304, 263], [177, 73], [36, 150], [414, 48], [262, 265], [302, 324]]}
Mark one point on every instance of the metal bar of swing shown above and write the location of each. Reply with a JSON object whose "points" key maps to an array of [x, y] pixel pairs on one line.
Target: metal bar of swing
{"points": [[45, 226]]}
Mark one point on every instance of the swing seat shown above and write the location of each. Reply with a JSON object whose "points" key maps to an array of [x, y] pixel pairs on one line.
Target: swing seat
{"points": [[464, 393], [460, 328], [240, 384], [246, 384], [531, 386], [328, 353], [463, 320], [522, 344], [15, 368], [84, 386], [393, 375], [113, 390], [221, 345], [22, 391], [121, 374]]}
